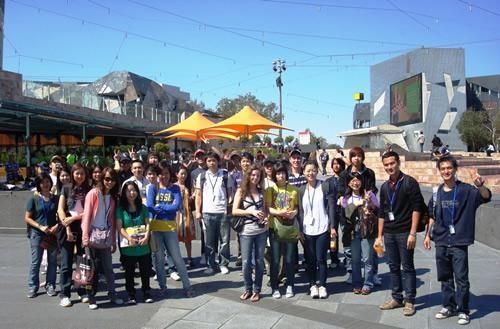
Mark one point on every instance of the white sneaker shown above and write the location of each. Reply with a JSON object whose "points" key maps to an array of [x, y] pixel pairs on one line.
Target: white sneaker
{"points": [[276, 294], [314, 292], [289, 292], [84, 299], [463, 318], [65, 302], [224, 269], [93, 306], [175, 276], [322, 292]]}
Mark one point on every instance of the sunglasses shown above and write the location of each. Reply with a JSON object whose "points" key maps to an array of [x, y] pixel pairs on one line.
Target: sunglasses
{"points": [[108, 179]]}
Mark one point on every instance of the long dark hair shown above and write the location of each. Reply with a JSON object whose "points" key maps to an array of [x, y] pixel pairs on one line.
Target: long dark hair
{"points": [[84, 188], [123, 197], [114, 175], [176, 168]]}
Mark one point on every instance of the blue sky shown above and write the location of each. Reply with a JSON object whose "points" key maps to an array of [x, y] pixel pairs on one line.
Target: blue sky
{"points": [[225, 48]]}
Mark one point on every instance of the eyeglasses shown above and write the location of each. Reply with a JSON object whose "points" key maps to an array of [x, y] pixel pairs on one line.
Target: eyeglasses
{"points": [[108, 179]]}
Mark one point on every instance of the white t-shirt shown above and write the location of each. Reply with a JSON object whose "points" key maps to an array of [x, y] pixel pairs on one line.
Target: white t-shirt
{"points": [[214, 198], [315, 221]]}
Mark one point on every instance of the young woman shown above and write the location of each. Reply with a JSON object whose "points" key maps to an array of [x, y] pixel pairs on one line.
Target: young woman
{"points": [[163, 202], [360, 209], [42, 225], [283, 200], [338, 166], [132, 222], [186, 230], [249, 202], [95, 171], [317, 221], [70, 211], [99, 214]]}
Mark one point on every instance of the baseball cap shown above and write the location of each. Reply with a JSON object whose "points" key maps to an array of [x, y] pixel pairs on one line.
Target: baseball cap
{"points": [[125, 157], [56, 158], [295, 151], [199, 152]]}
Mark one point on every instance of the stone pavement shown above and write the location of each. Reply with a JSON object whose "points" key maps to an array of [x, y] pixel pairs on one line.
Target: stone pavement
{"points": [[217, 305]]}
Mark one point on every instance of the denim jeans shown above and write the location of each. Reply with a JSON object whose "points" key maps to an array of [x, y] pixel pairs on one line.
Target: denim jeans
{"points": [[453, 263], [65, 277], [253, 245], [316, 249], [362, 262], [398, 256], [35, 238], [288, 248], [217, 229], [170, 242], [104, 264]]}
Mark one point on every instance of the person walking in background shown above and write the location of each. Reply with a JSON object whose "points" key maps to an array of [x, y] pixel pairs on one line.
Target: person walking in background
{"points": [[436, 143], [452, 224], [40, 216], [400, 211], [323, 158], [100, 214], [421, 141]]}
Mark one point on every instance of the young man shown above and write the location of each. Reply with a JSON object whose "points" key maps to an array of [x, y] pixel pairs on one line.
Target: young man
{"points": [[400, 206], [296, 177], [138, 178], [211, 200], [454, 216], [421, 141], [324, 157]]}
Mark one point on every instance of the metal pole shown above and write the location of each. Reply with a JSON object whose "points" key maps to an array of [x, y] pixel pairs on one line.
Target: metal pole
{"points": [[28, 142], [281, 110]]}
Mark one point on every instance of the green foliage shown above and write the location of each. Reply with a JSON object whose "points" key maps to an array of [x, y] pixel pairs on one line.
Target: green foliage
{"points": [[228, 107], [289, 139], [471, 129], [161, 147], [278, 140], [255, 139], [266, 139]]}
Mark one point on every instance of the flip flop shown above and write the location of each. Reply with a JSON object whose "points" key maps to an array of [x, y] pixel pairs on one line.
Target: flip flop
{"points": [[255, 297], [247, 294]]}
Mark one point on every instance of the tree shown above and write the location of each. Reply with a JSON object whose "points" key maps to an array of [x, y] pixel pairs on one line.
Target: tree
{"points": [[278, 140], [197, 105], [255, 139], [228, 107], [471, 129], [266, 139], [289, 139]]}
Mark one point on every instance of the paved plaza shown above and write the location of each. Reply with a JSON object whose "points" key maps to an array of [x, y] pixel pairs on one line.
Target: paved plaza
{"points": [[216, 304]]}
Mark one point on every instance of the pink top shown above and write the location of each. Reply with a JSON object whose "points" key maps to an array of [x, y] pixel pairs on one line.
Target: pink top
{"points": [[89, 213]]}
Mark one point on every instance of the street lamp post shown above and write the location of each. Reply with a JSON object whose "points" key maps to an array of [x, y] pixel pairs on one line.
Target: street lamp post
{"points": [[279, 67]]}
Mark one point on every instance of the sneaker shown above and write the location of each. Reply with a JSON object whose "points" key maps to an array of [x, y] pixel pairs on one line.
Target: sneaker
{"points": [[409, 309], [65, 302], [238, 262], [131, 300], [349, 279], [276, 294], [175, 276], [93, 305], [314, 292], [322, 293], [209, 271], [116, 300], [224, 269], [463, 318], [51, 291], [84, 299], [444, 313], [147, 298], [31, 294], [289, 292], [391, 304]]}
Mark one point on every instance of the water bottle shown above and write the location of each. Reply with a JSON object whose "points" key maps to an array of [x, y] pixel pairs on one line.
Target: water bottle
{"points": [[333, 244], [379, 249]]}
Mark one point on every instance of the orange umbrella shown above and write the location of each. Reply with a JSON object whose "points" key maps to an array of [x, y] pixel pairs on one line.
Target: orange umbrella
{"points": [[193, 124], [203, 136], [246, 121]]}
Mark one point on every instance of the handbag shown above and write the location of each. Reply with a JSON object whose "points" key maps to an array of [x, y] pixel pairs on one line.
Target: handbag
{"points": [[135, 232], [238, 223], [100, 238], [83, 274], [285, 232], [48, 242]]}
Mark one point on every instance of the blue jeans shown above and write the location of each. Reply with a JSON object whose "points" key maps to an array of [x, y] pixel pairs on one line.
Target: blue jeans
{"points": [[362, 261], [316, 249], [35, 238], [253, 245], [104, 264], [168, 241], [398, 256], [67, 255], [453, 262], [289, 255], [217, 229]]}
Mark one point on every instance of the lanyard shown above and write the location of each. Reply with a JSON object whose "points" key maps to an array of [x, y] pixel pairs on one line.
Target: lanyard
{"points": [[392, 198], [452, 211], [311, 200], [212, 185], [45, 211]]}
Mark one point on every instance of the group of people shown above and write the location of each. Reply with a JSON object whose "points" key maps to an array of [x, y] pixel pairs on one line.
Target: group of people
{"points": [[145, 213]]}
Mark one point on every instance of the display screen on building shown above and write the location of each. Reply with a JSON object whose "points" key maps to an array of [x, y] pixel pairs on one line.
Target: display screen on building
{"points": [[406, 101]]}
